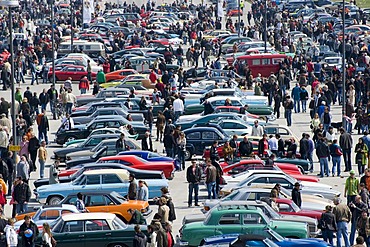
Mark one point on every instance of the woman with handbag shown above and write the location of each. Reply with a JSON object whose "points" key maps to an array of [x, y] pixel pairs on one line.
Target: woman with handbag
{"points": [[361, 151], [328, 225], [47, 237]]}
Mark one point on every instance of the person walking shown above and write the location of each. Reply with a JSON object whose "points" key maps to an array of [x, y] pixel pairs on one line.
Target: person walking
{"points": [[47, 236], [361, 150], [147, 143], [163, 210], [335, 153], [22, 195], [33, 146], [328, 225], [71, 100], [296, 95], [288, 106], [257, 130], [211, 174], [181, 147], [28, 232], [43, 154], [53, 172], [342, 217], [296, 195], [11, 234], [323, 153], [356, 207], [346, 142], [351, 187], [193, 176], [84, 86], [132, 189], [43, 126]]}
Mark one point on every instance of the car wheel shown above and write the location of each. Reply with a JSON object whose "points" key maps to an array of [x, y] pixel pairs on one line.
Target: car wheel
{"points": [[71, 138], [188, 154], [54, 200]]}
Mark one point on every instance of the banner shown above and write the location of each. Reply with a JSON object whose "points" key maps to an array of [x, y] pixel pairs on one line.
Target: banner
{"points": [[88, 9], [220, 9]]}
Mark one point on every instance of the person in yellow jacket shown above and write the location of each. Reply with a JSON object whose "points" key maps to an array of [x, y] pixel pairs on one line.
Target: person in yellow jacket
{"points": [[4, 190]]}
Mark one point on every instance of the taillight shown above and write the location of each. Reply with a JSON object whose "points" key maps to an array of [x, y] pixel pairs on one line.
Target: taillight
{"points": [[206, 208]]}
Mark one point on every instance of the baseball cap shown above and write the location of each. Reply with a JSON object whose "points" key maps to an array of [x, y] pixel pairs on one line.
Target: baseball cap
{"points": [[352, 172]]}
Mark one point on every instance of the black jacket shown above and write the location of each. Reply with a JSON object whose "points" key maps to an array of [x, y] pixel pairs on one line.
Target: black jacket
{"points": [[296, 197], [193, 177], [328, 221], [261, 146], [44, 123], [303, 147], [144, 145], [245, 148], [139, 240], [22, 193], [33, 228], [322, 149], [44, 98], [132, 190], [121, 145], [169, 141], [213, 152]]}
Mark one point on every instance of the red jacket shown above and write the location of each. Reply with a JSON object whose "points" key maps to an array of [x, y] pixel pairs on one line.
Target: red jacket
{"points": [[153, 77], [84, 83], [106, 68]]}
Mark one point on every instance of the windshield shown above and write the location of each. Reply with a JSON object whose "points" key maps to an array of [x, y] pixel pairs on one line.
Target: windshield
{"points": [[80, 180], [118, 224], [97, 147]]}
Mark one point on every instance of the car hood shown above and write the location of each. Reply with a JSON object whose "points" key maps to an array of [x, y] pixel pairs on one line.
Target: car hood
{"points": [[67, 150], [83, 154], [313, 185]]}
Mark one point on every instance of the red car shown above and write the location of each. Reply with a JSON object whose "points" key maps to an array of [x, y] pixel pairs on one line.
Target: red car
{"points": [[255, 164], [288, 207], [206, 152], [74, 71], [119, 74], [136, 162]]}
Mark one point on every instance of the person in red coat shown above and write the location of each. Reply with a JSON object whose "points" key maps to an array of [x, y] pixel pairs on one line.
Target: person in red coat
{"points": [[153, 77], [84, 85], [106, 66]]}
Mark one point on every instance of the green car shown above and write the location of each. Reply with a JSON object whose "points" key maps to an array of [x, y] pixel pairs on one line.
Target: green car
{"points": [[237, 219], [303, 165], [93, 230]]}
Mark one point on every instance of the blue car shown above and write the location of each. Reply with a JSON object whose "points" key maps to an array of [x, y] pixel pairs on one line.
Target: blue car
{"points": [[104, 179], [269, 234], [147, 155]]}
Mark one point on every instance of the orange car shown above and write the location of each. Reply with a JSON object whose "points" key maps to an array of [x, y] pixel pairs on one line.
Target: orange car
{"points": [[109, 202], [119, 74]]}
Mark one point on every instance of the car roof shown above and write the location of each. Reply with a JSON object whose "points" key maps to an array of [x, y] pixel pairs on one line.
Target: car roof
{"points": [[117, 107], [88, 216], [201, 129], [62, 206], [105, 103], [91, 192]]}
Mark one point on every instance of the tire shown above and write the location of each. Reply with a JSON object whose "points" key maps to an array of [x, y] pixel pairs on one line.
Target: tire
{"points": [[54, 200], [71, 138], [188, 154]]}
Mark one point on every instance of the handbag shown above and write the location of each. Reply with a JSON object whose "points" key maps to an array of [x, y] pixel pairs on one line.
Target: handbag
{"points": [[338, 151]]}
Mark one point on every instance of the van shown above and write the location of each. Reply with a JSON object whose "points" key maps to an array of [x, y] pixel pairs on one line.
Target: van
{"points": [[92, 49]]}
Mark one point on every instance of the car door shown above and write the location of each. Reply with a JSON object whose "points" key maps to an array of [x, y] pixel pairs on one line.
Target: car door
{"points": [[72, 232], [207, 140], [96, 203], [252, 223], [93, 182], [111, 182], [228, 223], [97, 233], [279, 180]]}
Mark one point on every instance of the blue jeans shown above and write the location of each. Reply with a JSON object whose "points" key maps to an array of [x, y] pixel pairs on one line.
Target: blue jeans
{"points": [[304, 105], [21, 208], [353, 230], [169, 152], [297, 107], [177, 115], [342, 230], [326, 127], [181, 156], [34, 78], [288, 115], [310, 159], [211, 188], [347, 158], [42, 168], [83, 90], [324, 166], [193, 188], [69, 108], [348, 126], [336, 164], [43, 135], [283, 90], [328, 236], [43, 107]]}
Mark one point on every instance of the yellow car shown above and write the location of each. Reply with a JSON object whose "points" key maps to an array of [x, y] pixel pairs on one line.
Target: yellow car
{"points": [[141, 77]]}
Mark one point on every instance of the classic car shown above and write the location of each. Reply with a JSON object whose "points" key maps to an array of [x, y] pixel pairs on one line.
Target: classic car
{"points": [[258, 108], [74, 71], [253, 164], [266, 209], [206, 151], [235, 109], [95, 230], [108, 111], [83, 131], [268, 234], [144, 78], [237, 219], [74, 172], [235, 240], [136, 162], [251, 177], [45, 214], [110, 202], [262, 191], [103, 94], [103, 149], [304, 165], [103, 131], [135, 108], [288, 207], [90, 143], [147, 155], [91, 107], [200, 137], [103, 179], [119, 74]]}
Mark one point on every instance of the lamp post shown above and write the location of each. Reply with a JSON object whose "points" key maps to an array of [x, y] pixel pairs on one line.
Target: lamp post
{"points": [[72, 24], [10, 4], [265, 22], [239, 18], [343, 68], [52, 40]]}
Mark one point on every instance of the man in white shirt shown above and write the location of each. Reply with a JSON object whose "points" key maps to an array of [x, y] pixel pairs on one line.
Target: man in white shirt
{"points": [[273, 144], [71, 100], [257, 130], [178, 107]]}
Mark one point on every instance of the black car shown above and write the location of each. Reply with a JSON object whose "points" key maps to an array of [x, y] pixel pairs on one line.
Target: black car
{"points": [[139, 174], [93, 106], [64, 135], [198, 138], [106, 93], [109, 111], [200, 72], [90, 143]]}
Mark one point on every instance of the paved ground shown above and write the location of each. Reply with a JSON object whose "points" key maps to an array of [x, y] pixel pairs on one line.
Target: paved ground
{"points": [[178, 186]]}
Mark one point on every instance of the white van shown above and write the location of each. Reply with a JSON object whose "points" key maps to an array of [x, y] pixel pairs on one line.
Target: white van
{"points": [[93, 49]]}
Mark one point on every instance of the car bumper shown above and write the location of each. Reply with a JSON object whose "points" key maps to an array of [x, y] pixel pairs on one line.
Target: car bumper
{"points": [[147, 213], [38, 199], [181, 243]]}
